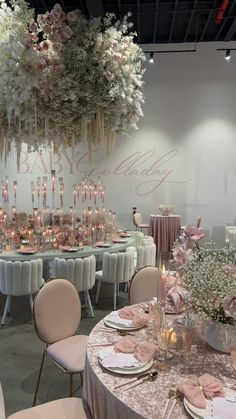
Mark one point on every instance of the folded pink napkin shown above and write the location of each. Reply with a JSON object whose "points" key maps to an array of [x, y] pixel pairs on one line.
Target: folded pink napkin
{"points": [[143, 351], [137, 317], [127, 345], [175, 298], [205, 386], [224, 409]]}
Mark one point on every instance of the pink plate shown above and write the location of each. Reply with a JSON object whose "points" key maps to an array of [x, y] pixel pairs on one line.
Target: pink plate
{"points": [[27, 251]]}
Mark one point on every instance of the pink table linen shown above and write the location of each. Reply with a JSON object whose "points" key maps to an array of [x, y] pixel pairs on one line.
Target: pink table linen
{"points": [[164, 229], [145, 401]]}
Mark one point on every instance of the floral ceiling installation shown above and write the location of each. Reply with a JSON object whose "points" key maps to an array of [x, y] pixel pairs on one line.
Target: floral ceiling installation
{"points": [[65, 79]]}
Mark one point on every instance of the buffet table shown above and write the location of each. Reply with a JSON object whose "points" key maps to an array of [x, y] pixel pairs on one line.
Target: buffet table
{"points": [[164, 229], [148, 399]]}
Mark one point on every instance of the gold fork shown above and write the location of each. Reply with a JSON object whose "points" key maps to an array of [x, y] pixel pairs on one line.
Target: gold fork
{"points": [[171, 394]]}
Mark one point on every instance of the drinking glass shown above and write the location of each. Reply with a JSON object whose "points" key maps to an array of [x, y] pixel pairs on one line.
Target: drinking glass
{"points": [[232, 346], [187, 334], [163, 340]]}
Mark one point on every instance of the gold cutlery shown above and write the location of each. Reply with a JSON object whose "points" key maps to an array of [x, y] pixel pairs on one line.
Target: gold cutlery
{"points": [[132, 380], [171, 394], [152, 376]]}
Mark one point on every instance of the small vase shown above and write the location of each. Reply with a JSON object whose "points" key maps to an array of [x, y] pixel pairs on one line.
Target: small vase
{"points": [[217, 336]]}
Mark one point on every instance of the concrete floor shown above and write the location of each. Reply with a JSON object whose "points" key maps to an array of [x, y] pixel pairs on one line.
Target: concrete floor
{"points": [[21, 351]]}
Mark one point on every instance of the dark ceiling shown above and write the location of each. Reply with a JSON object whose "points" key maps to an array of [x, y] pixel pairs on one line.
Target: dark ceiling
{"points": [[162, 21]]}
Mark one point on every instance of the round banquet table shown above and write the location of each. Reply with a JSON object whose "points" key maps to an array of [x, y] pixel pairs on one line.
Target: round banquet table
{"points": [[50, 254], [164, 229], [146, 400]]}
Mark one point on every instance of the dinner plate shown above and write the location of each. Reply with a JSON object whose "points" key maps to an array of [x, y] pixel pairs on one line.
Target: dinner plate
{"points": [[125, 235], [193, 415], [119, 241], [27, 251], [128, 370], [101, 244], [201, 413], [119, 326]]}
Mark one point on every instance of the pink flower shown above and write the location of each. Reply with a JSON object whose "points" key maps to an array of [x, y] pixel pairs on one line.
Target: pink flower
{"points": [[72, 17], [59, 68], [57, 9], [229, 306], [62, 16], [47, 29], [44, 45], [33, 27], [34, 37], [67, 32], [49, 19], [57, 46]]}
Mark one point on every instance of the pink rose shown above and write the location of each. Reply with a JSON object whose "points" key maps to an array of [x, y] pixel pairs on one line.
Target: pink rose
{"points": [[57, 46], [44, 45], [47, 29], [72, 17], [57, 9], [67, 32], [34, 37], [33, 27], [62, 16], [229, 306]]}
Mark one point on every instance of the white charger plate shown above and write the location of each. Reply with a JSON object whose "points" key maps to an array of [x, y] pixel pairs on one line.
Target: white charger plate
{"points": [[119, 326], [201, 413], [128, 370], [193, 415]]}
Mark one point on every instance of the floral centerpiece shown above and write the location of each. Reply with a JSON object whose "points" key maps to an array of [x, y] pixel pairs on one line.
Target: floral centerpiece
{"points": [[166, 209], [65, 79], [185, 245], [210, 279]]}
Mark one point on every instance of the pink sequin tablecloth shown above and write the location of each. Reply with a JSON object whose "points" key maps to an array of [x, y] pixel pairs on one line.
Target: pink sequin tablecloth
{"points": [[148, 399], [164, 229]]}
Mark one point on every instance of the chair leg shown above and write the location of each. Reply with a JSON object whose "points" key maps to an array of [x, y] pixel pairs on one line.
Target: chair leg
{"points": [[85, 299], [114, 296], [6, 309], [39, 376], [81, 378], [31, 301], [89, 303], [98, 291], [71, 385]]}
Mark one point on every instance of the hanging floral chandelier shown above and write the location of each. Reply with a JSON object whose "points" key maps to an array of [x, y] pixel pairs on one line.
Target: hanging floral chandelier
{"points": [[65, 79]]}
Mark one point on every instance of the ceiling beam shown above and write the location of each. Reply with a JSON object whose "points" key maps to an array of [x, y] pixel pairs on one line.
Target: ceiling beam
{"points": [[210, 16], [190, 21], [173, 21], [95, 8], [225, 20], [154, 39]]}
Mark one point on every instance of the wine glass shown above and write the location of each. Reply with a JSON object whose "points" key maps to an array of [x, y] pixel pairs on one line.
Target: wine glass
{"points": [[232, 346], [187, 334], [163, 340]]}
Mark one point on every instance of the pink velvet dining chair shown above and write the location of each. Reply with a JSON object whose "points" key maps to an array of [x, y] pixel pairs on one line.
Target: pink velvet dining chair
{"points": [[144, 285], [68, 408], [57, 313]]}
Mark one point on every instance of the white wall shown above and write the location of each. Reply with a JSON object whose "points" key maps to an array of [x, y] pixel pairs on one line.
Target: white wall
{"points": [[184, 152]]}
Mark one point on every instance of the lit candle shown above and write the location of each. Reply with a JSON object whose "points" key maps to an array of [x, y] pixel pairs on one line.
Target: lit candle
{"points": [[53, 173], [163, 283], [15, 186]]}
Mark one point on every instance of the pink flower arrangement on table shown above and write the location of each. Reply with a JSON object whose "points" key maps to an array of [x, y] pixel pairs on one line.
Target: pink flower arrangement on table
{"points": [[193, 232]]}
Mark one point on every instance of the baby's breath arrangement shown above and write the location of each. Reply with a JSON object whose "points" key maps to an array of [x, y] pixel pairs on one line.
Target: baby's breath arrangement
{"points": [[66, 79], [210, 278]]}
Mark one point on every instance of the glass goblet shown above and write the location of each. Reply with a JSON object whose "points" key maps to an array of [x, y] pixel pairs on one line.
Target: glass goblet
{"points": [[187, 334], [163, 340]]}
